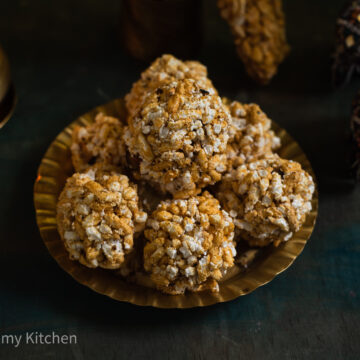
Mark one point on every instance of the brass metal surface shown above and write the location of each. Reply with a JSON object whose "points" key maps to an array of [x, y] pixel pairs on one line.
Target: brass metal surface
{"points": [[7, 92]]}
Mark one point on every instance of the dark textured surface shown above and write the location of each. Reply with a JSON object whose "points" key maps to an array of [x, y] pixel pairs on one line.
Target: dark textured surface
{"points": [[66, 59]]}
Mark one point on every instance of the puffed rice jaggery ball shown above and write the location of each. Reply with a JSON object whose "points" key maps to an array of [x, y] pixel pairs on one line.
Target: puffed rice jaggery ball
{"points": [[259, 30], [97, 215], [189, 244], [250, 133], [177, 139], [100, 142], [268, 199], [163, 70]]}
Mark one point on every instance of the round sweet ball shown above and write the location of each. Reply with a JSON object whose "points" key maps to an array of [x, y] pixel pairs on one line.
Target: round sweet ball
{"points": [[164, 69], [268, 199], [250, 134], [189, 244], [177, 140], [99, 142], [98, 214]]}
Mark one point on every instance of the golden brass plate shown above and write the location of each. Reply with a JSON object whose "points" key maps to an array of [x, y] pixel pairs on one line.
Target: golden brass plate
{"points": [[56, 166]]}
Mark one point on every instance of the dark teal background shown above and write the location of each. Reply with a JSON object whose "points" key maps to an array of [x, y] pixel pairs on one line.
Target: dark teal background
{"points": [[66, 59]]}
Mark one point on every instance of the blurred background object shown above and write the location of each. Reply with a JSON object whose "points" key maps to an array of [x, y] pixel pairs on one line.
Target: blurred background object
{"points": [[347, 45], [7, 93], [259, 31], [355, 132], [150, 28]]}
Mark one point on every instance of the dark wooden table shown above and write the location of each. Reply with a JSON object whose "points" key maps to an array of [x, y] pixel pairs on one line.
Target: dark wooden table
{"points": [[66, 59]]}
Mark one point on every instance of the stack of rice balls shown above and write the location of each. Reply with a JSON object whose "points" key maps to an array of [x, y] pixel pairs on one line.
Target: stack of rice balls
{"points": [[212, 161]]}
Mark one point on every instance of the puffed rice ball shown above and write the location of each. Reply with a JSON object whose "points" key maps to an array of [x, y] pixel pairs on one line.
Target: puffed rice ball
{"points": [[177, 139], [259, 30], [166, 69], [97, 215], [100, 142], [268, 199], [190, 244], [250, 133]]}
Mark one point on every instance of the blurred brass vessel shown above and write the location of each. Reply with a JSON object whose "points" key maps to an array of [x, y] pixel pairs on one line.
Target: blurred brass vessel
{"points": [[7, 92], [150, 28]]}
